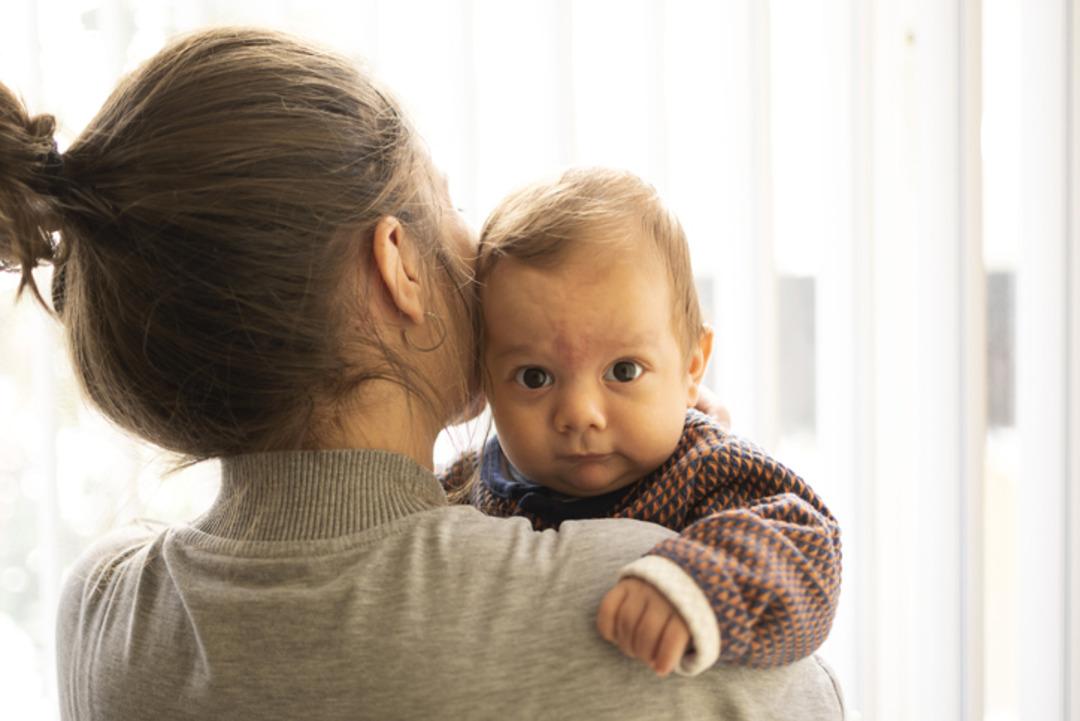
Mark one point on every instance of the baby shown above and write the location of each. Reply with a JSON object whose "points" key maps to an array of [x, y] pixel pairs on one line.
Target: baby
{"points": [[593, 353]]}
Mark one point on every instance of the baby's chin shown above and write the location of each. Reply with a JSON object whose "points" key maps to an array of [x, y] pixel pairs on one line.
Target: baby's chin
{"points": [[591, 479]]}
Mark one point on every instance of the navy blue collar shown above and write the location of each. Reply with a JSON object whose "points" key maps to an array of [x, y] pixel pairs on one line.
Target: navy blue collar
{"points": [[505, 481]]}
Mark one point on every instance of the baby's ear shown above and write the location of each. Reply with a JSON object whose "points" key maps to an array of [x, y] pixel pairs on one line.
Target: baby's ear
{"points": [[699, 360]]}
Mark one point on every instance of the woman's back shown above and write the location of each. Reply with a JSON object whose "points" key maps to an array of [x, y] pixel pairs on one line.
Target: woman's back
{"points": [[377, 600]]}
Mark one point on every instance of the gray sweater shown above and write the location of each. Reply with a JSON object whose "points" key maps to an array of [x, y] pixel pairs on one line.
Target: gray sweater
{"points": [[340, 585]]}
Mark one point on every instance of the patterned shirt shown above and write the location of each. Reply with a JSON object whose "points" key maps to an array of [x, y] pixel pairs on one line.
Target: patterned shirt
{"points": [[757, 540]]}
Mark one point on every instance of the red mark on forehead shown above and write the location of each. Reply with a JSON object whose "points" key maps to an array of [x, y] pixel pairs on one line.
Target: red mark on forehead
{"points": [[570, 347]]}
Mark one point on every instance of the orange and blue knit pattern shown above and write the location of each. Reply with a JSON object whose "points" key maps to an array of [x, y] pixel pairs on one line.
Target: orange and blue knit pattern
{"points": [[753, 535]]}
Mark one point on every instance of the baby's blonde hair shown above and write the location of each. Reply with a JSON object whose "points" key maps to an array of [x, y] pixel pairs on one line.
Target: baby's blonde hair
{"points": [[540, 224]]}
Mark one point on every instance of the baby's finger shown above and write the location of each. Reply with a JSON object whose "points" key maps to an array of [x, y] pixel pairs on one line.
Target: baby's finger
{"points": [[647, 634], [630, 612], [608, 611], [672, 646]]}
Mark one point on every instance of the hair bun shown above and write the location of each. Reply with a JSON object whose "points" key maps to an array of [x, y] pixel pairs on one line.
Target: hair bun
{"points": [[31, 170]]}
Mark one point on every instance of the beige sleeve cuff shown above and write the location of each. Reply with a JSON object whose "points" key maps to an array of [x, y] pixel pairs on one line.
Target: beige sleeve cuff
{"points": [[690, 601]]}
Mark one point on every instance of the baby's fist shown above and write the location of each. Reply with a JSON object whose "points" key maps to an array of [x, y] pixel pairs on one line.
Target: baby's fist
{"points": [[643, 624]]}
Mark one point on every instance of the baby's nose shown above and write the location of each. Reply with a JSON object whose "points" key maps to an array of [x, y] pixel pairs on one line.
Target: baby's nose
{"points": [[579, 410]]}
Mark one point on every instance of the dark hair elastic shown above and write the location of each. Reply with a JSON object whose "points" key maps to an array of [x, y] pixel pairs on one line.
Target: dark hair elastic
{"points": [[53, 171]]}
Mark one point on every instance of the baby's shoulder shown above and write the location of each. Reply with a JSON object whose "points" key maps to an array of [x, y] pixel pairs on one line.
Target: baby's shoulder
{"points": [[702, 433], [704, 437]]}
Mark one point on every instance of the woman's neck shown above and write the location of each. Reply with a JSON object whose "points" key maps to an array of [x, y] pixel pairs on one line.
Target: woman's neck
{"points": [[388, 418]]}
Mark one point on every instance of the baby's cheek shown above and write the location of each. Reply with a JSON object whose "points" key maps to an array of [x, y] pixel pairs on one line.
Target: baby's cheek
{"points": [[519, 437], [531, 458], [659, 434]]}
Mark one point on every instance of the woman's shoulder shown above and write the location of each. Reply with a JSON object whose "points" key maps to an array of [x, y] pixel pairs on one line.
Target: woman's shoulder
{"points": [[101, 559], [88, 591], [447, 599], [97, 567]]}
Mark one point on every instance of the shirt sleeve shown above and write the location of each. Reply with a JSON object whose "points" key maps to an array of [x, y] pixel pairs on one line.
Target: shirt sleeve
{"points": [[459, 477], [762, 547]]}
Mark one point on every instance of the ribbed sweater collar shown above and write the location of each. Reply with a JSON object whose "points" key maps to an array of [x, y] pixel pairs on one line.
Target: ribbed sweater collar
{"points": [[311, 495]]}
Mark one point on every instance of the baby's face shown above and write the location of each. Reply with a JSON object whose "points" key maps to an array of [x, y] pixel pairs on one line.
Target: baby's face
{"points": [[589, 384]]}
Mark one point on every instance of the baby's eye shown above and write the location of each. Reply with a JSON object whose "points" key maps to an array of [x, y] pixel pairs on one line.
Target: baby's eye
{"points": [[623, 371], [532, 377]]}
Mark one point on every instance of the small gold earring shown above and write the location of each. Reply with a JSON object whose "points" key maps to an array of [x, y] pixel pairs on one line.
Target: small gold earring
{"points": [[434, 317]]}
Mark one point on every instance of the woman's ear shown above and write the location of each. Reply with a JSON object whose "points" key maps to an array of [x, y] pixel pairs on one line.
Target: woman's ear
{"points": [[699, 361], [397, 263]]}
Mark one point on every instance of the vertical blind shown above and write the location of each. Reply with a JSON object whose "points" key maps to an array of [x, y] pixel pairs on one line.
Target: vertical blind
{"points": [[883, 208]]}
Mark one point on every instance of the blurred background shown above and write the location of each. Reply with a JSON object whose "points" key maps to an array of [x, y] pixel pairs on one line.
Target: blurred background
{"points": [[883, 202]]}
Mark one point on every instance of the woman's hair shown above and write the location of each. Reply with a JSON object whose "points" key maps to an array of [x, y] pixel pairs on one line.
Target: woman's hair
{"points": [[541, 224], [203, 229]]}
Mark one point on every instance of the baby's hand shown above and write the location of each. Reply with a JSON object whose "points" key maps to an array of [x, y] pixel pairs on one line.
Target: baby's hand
{"points": [[643, 624], [709, 404]]}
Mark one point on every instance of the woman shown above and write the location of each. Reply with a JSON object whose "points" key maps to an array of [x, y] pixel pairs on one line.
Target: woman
{"points": [[257, 262]]}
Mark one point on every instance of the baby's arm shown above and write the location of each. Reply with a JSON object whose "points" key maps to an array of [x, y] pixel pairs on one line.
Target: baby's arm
{"points": [[457, 478], [764, 550]]}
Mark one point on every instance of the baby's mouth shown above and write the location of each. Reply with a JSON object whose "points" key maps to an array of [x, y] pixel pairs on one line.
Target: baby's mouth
{"points": [[587, 457]]}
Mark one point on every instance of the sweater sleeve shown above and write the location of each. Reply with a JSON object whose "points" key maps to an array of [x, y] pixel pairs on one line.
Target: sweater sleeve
{"points": [[762, 547], [459, 477]]}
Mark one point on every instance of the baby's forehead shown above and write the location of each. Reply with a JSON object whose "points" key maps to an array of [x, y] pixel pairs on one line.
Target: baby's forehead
{"points": [[585, 305], [573, 344]]}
